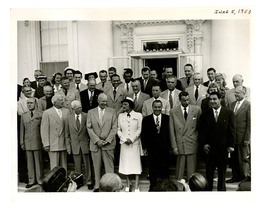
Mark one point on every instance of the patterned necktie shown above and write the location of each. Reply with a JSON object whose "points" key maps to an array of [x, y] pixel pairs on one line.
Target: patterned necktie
{"points": [[237, 104], [91, 98], [135, 99], [216, 116], [77, 122], [196, 93], [101, 115], [77, 87], [170, 99], [185, 114], [114, 93], [31, 113], [144, 84], [157, 124]]}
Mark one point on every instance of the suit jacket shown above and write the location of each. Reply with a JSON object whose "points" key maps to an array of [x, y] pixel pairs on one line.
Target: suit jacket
{"points": [[72, 94], [202, 92], [184, 84], [147, 106], [42, 104], [105, 131], [206, 84], [77, 139], [34, 85], [148, 89], [53, 129], [30, 130], [123, 85], [155, 143], [129, 127], [85, 100], [106, 87], [140, 100], [120, 95], [22, 106], [220, 135], [184, 134], [81, 88], [230, 96], [176, 100], [242, 122]]}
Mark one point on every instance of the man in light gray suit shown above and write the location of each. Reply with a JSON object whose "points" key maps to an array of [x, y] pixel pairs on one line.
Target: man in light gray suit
{"points": [[53, 132], [197, 92], [138, 96], [104, 84], [77, 140], [188, 79], [102, 129], [171, 94], [184, 121]]}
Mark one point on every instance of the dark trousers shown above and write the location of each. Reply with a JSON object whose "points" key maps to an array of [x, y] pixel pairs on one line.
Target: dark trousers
{"points": [[219, 162]]}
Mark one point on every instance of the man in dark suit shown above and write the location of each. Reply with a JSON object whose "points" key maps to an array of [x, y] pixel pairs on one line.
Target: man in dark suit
{"points": [[34, 84], [89, 96], [217, 133], [77, 140], [211, 76], [138, 96], [146, 82], [242, 110], [168, 72], [156, 143]]}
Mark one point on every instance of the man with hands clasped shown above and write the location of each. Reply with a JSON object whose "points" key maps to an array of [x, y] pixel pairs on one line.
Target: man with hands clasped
{"points": [[217, 133]]}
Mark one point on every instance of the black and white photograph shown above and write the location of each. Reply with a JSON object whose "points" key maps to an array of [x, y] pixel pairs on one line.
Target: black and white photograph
{"points": [[140, 100]]}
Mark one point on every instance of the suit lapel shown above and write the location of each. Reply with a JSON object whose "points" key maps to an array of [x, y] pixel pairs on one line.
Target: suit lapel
{"points": [[83, 120], [179, 114], [73, 121], [56, 116], [241, 108], [190, 116]]}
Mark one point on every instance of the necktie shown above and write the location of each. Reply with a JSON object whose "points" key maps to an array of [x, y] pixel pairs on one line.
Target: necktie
{"points": [[65, 92], [135, 99], [60, 113], [170, 99], [77, 86], [114, 93], [103, 85], [101, 115], [128, 115], [216, 116], [196, 93], [188, 80], [157, 124], [236, 108], [145, 83], [91, 98], [127, 87], [31, 113], [77, 122], [185, 114]]}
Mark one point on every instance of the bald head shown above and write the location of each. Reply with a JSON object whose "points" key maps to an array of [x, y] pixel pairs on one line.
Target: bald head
{"points": [[237, 80], [110, 182], [91, 84], [102, 100]]}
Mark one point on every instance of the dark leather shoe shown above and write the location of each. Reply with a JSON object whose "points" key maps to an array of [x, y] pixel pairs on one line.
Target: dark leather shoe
{"points": [[232, 180], [90, 186], [30, 185], [96, 190]]}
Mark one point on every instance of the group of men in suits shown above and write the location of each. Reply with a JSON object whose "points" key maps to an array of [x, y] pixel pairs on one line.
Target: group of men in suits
{"points": [[82, 121]]}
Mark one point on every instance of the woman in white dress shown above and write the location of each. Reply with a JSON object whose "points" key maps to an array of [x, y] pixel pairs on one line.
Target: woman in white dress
{"points": [[129, 129]]}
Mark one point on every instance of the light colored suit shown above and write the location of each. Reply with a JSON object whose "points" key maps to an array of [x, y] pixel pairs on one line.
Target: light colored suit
{"points": [[202, 92], [147, 106], [30, 139], [102, 131], [77, 140], [123, 85], [140, 100], [184, 137], [243, 133], [184, 84], [22, 106], [81, 87], [106, 87], [230, 96], [53, 136], [72, 94], [176, 92], [117, 102]]}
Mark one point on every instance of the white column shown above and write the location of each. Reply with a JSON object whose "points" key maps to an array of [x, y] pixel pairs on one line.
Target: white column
{"points": [[73, 56]]}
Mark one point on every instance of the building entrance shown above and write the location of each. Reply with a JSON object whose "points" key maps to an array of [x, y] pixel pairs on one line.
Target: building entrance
{"points": [[159, 64]]}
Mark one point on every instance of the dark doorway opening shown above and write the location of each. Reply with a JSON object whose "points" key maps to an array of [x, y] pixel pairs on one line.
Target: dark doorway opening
{"points": [[160, 64]]}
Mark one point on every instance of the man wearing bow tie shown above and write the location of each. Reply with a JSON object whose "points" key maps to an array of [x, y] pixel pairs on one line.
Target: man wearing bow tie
{"points": [[156, 143], [184, 121]]}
